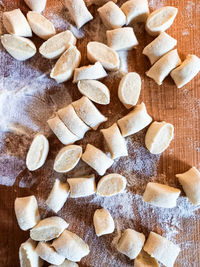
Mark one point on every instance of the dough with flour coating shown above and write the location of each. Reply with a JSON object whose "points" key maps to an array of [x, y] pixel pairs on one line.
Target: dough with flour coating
{"points": [[145, 260], [66, 263], [103, 222], [36, 5]]}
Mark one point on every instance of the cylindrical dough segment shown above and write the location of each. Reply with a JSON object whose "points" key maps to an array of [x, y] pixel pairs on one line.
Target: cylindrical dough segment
{"points": [[37, 6], [103, 222], [66, 263], [145, 260]]}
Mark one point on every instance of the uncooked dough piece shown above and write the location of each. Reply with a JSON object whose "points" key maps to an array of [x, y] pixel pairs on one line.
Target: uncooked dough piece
{"points": [[145, 260], [109, 59], [28, 256], [48, 253], [134, 121], [72, 121], [97, 2], [111, 15], [131, 243], [37, 153], [96, 159], [40, 25], [58, 195], [66, 64], [186, 71], [26, 211], [190, 181], [95, 91], [158, 136], [65, 136], [79, 12], [115, 141], [18, 47], [36, 5], [162, 249], [56, 45], [135, 10], [160, 20], [162, 68], [93, 72], [15, 23], [161, 195], [103, 222], [159, 47], [129, 89], [88, 113], [66, 263], [121, 39], [82, 187], [67, 158], [71, 246]]}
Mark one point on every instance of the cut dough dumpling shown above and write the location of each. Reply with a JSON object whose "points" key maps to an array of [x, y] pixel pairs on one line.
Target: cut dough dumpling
{"points": [[160, 20], [145, 260], [109, 59], [18, 47], [158, 136], [37, 153], [161, 195], [66, 263], [67, 158], [35, 5], [103, 222], [111, 184], [56, 45]]}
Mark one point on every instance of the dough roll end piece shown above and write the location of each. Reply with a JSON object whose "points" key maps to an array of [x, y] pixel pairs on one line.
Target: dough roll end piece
{"points": [[35, 5], [103, 222]]}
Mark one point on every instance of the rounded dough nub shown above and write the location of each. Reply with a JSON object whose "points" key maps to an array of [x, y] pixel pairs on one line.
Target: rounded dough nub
{"points": [[145, 260], [66, 263], [36, 5], [103, 222]]}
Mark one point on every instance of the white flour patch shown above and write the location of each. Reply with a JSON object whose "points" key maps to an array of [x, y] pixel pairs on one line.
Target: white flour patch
{"points": [[155, 4], [185, 32]]}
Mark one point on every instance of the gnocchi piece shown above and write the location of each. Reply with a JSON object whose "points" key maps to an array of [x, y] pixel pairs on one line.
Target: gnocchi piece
{"points": [[96, 159], [66, 263], [105, 55], [58, 195], [135, 10], [129, 89], [111, 15], [15, 23], [79, 12], [190, 181], [162, 249], [186, 71], [145, 260], [94, 72], [66, 64], [56, 45], [111, 184], [115, 141], [160, 20], [88, 113], [158, 136], [65, 136], [134, 121], [48, 253], [40, 25], [131, 243], [103, 222], [162, 68], [98, 2], [82, 187], [37, 153], [121, 38], [37, 6], [67, 158], [95, 91], [26, 211], [18, 47], [71, 246], [161, 195]]}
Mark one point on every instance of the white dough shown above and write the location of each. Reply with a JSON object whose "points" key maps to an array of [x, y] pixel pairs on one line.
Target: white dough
{"points": [[145, 260], [26, 211], [18, 47], [36, 5], [158, 136], [121, 38], [186, 71], [103, 222], [190, 181], [162, 68], [162, 249], [37, 152], [96, 159], [160, 20], [115, 141], [134, 121], [82, 187], [131, 243], [71, 246], [15, 23], [161, 195], [66, 263]]}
